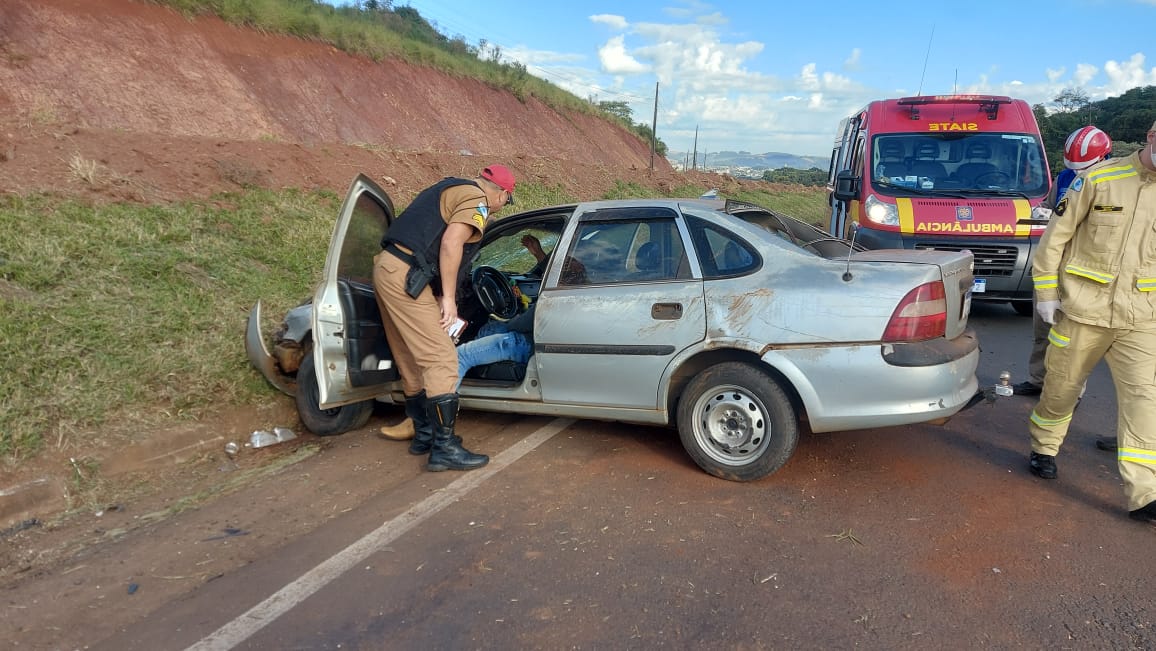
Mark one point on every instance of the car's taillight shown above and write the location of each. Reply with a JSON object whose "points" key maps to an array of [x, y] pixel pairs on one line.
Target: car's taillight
{"points": [[922, 314]]}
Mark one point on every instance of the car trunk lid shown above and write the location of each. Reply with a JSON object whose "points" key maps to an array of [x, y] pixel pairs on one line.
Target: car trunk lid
{"points": [[955, 270]]}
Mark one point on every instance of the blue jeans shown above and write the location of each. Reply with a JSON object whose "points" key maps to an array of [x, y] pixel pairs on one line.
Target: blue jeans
{"points": [[495, 343]]}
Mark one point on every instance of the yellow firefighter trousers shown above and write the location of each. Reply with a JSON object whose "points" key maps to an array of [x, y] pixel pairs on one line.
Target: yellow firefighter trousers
{"points": [[1075, 349], [424, 353]]}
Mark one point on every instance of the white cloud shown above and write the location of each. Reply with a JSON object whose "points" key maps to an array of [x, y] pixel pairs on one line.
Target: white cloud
{"points": [[852, 62], [616, 60], [712, 19], [1084, 73], [808, 80], [616, 22], [1128, 74]]}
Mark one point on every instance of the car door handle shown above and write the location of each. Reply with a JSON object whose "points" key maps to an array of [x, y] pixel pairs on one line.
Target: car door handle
{"points": [[666, 311]]}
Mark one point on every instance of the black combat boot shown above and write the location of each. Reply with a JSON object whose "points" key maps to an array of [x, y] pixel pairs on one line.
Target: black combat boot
{"points": [[1042, 465], [447, 452], [415, 408]]}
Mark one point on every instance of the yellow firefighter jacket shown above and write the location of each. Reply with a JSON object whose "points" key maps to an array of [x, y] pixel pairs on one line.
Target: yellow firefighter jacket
{"points": [[1099, 256]]}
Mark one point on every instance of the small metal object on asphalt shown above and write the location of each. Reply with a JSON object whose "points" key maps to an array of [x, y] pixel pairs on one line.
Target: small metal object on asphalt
{"points": [[1004, 388], [260, 438], [283, 434], [231, 449]]}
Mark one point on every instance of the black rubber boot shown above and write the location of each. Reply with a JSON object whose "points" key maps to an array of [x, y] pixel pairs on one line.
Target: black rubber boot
{"points": [[447, 452], [415, 408]]}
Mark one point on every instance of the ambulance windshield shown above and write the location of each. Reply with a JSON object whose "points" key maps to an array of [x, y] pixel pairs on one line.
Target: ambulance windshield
{"points": [[998, 164]]}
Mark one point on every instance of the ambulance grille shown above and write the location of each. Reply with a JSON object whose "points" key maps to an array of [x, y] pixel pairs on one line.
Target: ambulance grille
{"points": [[990, 261]]}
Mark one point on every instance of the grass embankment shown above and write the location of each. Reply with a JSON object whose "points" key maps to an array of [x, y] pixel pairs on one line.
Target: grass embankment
{"points": [[120, 316]]}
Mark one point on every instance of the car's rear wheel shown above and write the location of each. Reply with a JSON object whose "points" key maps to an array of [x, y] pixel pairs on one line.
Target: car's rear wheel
{"points": [[736, 422], [326, 422]]}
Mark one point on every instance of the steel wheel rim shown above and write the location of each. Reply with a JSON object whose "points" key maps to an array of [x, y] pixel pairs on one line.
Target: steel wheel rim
{"points": [[731, 425]]}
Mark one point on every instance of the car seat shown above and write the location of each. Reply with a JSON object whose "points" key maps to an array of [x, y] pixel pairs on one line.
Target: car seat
{"points": [[977, 154], [925, 163], [891, 161], [647, 260]]}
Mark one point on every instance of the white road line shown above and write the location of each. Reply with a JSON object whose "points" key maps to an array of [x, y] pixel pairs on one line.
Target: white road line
{"points": [[263, 614]]}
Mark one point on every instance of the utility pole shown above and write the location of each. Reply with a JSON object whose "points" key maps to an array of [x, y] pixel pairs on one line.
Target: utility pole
{"points": [[694, 156], [654, 128]]}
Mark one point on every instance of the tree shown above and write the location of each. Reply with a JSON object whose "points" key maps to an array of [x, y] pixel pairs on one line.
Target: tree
{"points": [[620, 110], [1071, 100]]}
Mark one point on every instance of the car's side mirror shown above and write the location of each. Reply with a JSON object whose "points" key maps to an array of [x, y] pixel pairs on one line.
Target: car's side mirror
{"points": [[846, 186]]}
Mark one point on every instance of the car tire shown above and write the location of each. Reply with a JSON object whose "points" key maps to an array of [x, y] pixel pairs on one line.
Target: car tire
{"points": [[326, 422], [1023, 308], [736, 422]]}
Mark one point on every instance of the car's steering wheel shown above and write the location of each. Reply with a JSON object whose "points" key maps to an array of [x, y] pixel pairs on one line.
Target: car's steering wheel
{"points": [[495, 292], [992, 178]]}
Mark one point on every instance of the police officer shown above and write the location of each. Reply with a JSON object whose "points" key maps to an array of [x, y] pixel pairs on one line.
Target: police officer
{"points": [[1083, 148], [1095, 282], [415, 278]]}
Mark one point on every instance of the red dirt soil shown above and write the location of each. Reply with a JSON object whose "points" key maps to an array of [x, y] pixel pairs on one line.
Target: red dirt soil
{"points": [[171, 107]]}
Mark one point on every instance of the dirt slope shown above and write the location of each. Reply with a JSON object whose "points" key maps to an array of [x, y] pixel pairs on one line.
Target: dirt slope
{"points": [[124, 100], [168, 107]]}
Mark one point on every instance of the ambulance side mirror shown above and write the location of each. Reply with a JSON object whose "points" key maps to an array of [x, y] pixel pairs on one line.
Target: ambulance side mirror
{"points": [[846, 186]]}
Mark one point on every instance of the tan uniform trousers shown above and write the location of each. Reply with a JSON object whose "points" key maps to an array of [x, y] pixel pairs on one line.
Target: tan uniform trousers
{"points": [[1036, 368], [424, 353], [1075, 350]]}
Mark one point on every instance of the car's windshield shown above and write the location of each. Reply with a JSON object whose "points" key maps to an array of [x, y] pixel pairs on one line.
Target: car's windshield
{"points": [[516, 251], [976, 164]]}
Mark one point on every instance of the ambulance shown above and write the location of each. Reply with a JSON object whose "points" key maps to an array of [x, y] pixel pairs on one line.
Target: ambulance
{"points": [[946, 172]]}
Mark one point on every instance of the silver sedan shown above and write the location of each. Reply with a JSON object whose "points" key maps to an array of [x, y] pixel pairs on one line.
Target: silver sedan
{"points": [[732, 322]]}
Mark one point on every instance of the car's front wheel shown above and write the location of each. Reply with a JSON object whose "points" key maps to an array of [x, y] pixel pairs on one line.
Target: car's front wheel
{"points": [[736, 422], [326, 422]]}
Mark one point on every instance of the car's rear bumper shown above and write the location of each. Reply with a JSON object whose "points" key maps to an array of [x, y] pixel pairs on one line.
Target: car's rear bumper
{"points": [[933, 352], [856, 387]]}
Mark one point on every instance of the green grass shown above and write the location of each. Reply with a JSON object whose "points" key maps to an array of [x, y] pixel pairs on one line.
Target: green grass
{"points": [[122, 316]]}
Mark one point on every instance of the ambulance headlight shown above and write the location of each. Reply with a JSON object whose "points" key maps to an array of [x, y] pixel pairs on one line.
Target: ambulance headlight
{"points": [[881, 212]]}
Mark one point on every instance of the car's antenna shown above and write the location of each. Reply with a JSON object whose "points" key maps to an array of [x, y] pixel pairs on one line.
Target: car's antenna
{"points": [[847, 274]]}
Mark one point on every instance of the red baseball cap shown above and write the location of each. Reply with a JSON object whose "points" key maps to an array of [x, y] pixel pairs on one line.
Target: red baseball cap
{"points": [[502, 177]]}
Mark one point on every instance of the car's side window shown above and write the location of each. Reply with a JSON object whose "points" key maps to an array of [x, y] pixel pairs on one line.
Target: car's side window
{"points": [[362, 242], [625, 251], [721, 253]]}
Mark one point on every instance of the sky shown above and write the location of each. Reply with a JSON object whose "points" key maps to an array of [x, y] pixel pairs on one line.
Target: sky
{"points": [[773, 76]]}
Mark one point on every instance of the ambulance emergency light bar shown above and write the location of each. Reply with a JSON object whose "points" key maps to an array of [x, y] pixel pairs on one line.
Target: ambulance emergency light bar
{"points": [[987, 103]]}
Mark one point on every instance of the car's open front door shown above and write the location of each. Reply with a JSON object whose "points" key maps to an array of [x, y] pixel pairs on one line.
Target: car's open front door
{"points": [[350, 352]]}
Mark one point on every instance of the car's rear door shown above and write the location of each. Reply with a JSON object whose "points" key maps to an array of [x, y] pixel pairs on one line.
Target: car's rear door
{"points": [[350, 352], [616, 309]]}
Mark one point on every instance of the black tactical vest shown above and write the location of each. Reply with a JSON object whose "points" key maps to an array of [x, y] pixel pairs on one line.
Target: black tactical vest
{"points": [[420, 226]]}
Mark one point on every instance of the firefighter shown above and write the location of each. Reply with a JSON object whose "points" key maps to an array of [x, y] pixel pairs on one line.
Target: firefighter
{"points": [[415, 280], [1083, 148], [1095, 282]]}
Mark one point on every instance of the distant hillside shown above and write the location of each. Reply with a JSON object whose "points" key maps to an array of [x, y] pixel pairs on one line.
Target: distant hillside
{"points": [[743, 159]]}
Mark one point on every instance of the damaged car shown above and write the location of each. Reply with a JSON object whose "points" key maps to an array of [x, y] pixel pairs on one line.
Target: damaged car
{"points": [[729, 322]]}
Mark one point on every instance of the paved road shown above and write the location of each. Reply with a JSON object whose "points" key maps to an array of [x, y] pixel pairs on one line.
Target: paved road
{"points": [[597, 535]]}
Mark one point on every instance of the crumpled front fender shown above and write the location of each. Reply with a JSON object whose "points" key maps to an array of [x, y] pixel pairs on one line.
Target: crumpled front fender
{"points": [[259, 355]]}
